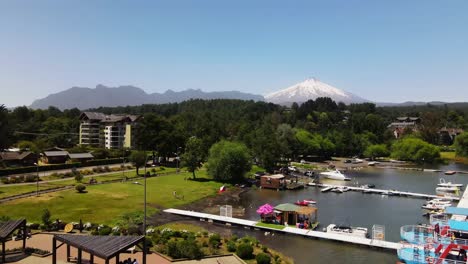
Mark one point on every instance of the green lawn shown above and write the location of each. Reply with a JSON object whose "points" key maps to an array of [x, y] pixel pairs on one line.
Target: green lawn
{"points": [[12, 189], [106, 203], [273, 226]]}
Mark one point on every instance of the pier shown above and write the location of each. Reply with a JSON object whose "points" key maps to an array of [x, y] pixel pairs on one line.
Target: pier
{"points": [[391, 192], [381, 244]]}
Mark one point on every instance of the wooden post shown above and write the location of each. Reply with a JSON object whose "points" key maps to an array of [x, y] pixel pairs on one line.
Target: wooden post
{"points": [[79, 256], [117, 259], [107, 261], [3, 251], [25, 234], [54, 251], [68, 252], [91, 259], [144, 251]]}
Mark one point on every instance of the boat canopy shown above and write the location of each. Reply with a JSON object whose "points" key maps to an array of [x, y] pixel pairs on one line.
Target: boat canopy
{"points": [[458, 225], [287, 207], [456, 211]]}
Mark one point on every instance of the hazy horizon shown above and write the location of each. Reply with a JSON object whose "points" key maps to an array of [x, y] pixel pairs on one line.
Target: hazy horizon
{"points": [[394, 51]]}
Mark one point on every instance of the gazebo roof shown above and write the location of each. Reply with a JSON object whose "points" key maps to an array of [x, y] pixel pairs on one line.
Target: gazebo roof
{"points": [[287, 207], [6, 228], [104, 247]]}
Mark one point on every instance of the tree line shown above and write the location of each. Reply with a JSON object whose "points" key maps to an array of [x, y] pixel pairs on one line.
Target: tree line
{"points": [[273, 134]]}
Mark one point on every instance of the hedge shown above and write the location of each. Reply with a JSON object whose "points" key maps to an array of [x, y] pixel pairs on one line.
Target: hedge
{"points": [[102, 162], [9, 171]]}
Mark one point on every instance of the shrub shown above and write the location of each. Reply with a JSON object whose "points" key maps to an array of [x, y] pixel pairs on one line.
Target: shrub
{"points": [[105, 230], [215, 240], [264, 249], [231, 246], [78, 177], [30, 178], [263, 258], [106, 168], [80, 188], [95, 233], [244, 251], [5, 180], [46, 217]]}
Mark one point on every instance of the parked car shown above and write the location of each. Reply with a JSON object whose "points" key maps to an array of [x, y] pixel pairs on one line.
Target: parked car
{"points": [[309, 173], [348, 161], [303, 161], [292, 168]]}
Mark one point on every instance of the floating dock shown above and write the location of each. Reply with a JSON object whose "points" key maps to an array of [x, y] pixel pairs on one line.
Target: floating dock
{"points": [[288, 230], [388, 192]]}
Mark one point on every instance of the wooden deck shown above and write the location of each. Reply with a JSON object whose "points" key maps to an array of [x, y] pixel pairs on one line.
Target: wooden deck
{"points": [[289, 230], [389, 192]]}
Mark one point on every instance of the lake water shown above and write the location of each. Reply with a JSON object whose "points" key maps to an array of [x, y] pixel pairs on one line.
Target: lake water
{"points": [[355, 209]]}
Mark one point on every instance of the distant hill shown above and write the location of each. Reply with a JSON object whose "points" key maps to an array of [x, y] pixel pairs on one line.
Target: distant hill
{"points": [[85, 98], [311, 89]]}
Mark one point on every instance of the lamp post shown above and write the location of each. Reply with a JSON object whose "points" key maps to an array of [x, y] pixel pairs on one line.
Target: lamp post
{"points": [[123, 163], [144, 219], [178, 158], [37, 178]]}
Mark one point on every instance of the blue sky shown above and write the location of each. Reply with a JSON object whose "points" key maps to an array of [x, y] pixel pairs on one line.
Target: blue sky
{"points": [[386, 51]]}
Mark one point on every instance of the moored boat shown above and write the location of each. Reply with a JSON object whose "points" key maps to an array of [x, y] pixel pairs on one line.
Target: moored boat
{"points": [[326, 189], [450, 172], [443, 183], [348, 230], [335, 175]]}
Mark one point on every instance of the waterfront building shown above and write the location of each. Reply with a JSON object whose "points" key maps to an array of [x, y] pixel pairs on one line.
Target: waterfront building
{"points": [[108, 131], [402, 124]]}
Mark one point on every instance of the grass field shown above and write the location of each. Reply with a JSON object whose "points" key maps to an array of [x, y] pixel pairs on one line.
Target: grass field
{"points": [[12, 189], [106, 203]]}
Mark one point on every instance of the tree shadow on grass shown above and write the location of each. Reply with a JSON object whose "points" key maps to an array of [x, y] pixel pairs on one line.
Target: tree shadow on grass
{"points": [[200, 179]]}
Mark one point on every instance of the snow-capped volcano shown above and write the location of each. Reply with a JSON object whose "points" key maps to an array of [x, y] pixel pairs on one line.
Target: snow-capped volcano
{"points": [[311, 89]]}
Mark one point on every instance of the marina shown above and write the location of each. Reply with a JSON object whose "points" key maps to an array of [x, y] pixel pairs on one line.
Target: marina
{"points": [[329, 187], [289, 230]]}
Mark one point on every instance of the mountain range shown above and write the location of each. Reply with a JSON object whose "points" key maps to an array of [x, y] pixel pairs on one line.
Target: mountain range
{"points": [[86, 98]]}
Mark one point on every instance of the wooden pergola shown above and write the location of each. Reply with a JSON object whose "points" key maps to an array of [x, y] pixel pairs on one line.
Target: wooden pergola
{"points": [[104, 247], [7, 228]]}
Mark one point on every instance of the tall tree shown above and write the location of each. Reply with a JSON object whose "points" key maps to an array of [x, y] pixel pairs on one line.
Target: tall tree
{"points": [[138, 158], [193, 155], [229, 161], [461, 144], [5, 131]]}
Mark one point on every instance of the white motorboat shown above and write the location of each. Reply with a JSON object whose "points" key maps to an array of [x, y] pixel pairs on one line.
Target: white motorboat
{"points": [[335, 175], [435, 207], [373, 163], [326, 189], [438, 201], [443, 183], [348, 230], [337, 190], [448, 190]]}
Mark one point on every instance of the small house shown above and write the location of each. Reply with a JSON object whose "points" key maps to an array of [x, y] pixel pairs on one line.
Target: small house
{"points": [[276, 181], [18, 158], [80, 157], [55, 157]]}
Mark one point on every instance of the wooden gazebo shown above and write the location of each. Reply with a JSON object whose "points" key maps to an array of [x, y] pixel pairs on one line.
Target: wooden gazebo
{"points": [[104, 247], [290, 214], [7, 228]]}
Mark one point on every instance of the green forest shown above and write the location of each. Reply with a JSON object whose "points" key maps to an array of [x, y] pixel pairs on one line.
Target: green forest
{"points": [[272, 133]]}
